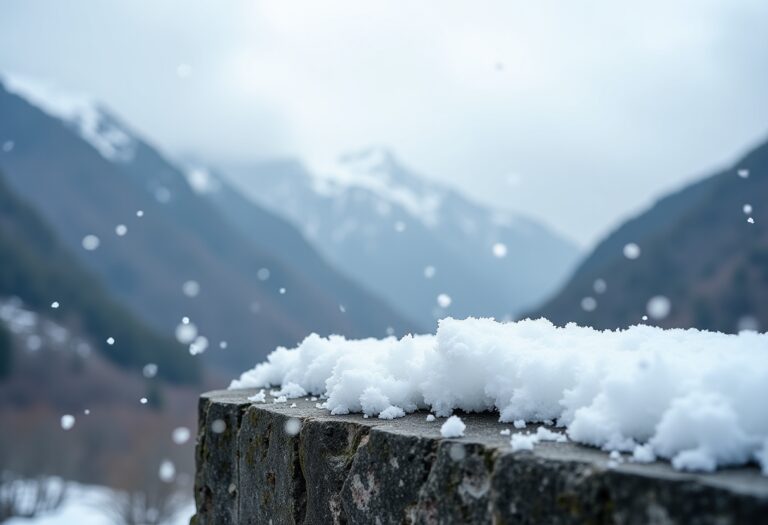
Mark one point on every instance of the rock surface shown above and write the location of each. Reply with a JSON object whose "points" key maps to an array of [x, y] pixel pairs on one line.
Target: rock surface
{"points": [[347, 469]]}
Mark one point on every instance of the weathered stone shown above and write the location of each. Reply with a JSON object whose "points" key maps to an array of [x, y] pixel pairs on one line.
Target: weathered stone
{"points": [[347, 469]]}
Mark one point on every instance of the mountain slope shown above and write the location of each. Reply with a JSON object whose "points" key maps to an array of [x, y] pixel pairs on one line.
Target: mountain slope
{"points": [[410, 240], [38, 270], [87, 173], [697, 250]]}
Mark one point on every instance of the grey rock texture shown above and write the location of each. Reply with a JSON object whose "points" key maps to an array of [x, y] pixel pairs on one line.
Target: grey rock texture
{"points": [[351, 470]]}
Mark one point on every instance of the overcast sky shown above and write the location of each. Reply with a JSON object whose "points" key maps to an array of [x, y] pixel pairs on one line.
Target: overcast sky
{"points": [[579, 113]]}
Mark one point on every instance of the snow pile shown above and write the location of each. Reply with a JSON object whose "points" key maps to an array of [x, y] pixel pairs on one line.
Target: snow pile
{"points": [[453, 427], [690, 396]]}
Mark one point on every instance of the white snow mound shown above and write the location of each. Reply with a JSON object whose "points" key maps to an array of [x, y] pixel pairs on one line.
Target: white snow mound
{"points": [[693, 397]]}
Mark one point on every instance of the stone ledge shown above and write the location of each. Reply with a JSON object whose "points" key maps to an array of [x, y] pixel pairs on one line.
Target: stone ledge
{"points": [[347, 469]]}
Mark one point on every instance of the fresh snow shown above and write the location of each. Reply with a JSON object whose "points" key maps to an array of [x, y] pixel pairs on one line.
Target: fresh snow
{"points": [[453, 427], [82, 113], [693, 397]]}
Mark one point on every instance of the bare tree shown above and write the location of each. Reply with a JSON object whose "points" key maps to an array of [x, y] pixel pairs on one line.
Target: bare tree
{"points": [[27, 498]]}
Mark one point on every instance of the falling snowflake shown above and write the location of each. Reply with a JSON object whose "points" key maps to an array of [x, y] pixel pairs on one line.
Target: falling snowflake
{"points": [[631, 251], [55, 304], [599, 286], [121, 229], [149, 371], [67, 421], [110, 341], [658, 307], [589, 304], [90, 242], [190, 288], [429, 271], [180, 435], [499, 250], [444, 300]]}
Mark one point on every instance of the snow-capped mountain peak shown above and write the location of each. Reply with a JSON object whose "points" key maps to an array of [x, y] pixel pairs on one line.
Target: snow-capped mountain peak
{"points": [[92, 122], [377, 171]]}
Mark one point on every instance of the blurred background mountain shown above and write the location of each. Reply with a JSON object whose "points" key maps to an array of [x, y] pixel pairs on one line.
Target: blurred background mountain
{"points": [[155, 250]]}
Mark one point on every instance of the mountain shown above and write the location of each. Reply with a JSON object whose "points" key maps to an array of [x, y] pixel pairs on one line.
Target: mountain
{"points": [[90, 176], [411, 240], [701, 260], [35, 268]]}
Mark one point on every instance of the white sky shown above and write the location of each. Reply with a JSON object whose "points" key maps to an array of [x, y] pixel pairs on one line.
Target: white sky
{"points": [[598, 106]]}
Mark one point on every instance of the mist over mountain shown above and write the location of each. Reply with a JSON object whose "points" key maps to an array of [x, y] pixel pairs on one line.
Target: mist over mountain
{"points": [[91, 177], [37, 270], [697, 258], [425, 248]]}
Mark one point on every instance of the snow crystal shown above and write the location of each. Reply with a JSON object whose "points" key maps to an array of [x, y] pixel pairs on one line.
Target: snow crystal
{"points": [[190, 288], [342, 308], [453, 427], [499, 250], [260, 397], [121, 229], [87, 411], [262, 274], [611, 389], [143, 400], [743, 173], [588, 304], [631, 251], [526, 441], [139, 213], [444, 300], [180, 435], [289, 390], [429, 272], [223, 345], [391, 412], [282, 291], [90, 242], [751, 220], [292, 426], [149, 371], [167, 471], [110, 341], [55, 304], [747, 209], [430, 418], [67, 421], [658, 307], [218, 426]]}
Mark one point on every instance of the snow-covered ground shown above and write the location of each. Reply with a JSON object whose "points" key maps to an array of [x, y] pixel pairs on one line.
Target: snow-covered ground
{"points": [[85, 505], [694, 397]]}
